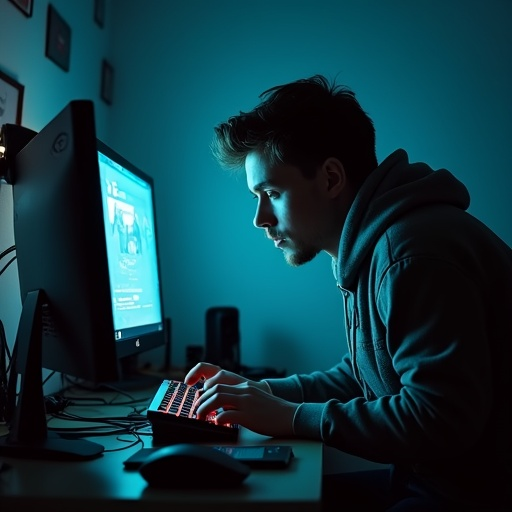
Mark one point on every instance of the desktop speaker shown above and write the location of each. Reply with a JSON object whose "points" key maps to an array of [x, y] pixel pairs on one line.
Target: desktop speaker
{"points": [[223, 337]]}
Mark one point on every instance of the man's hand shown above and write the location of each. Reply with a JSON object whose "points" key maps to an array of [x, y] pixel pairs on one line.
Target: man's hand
{"points": [[211, 374], [236, 399]]}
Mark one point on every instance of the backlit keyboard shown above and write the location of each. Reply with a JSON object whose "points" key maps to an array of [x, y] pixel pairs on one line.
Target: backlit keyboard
{"points": [[172, 414]]}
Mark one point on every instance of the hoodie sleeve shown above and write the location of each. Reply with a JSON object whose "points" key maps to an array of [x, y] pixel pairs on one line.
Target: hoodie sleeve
{"points": [[313, 390], [338, 382]]}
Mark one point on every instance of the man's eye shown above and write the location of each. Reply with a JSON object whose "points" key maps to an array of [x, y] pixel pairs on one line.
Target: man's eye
{"points": [[271, 194]]}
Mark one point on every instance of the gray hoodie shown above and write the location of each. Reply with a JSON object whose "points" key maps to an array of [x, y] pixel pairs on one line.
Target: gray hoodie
{"points": [[427, 290]]}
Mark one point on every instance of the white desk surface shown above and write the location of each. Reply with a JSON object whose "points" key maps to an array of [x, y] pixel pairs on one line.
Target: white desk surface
{"points": [[103, 484]]}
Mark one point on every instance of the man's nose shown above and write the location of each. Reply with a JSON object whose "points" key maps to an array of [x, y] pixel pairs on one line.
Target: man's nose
{"points": [[264, 217]]}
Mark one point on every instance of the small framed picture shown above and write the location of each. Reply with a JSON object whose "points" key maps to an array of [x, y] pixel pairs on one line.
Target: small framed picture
{"points": [[25, 6], [99, 12], [11, 100], [58, 39], [107, 82]]}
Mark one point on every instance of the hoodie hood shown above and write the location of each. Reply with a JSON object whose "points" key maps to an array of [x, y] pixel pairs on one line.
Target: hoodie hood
{"points": [[395, 188]]}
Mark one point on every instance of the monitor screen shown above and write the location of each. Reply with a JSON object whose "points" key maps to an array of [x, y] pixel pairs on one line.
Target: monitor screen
{"points": [[86, 246], [130, 234]]}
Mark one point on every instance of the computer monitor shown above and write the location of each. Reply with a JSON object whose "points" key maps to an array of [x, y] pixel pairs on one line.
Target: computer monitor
{"points": [[87, 252]]}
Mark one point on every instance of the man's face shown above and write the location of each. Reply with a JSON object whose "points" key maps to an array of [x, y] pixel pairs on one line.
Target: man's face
{"points": [[291, 209]]}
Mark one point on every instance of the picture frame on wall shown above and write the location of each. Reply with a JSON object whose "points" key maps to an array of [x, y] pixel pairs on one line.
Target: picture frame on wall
{"points": [[58, 39], [25, 6], [99, 12], [11, 100], [107, 82]]}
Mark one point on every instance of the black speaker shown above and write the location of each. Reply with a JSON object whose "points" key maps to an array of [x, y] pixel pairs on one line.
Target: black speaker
{"points": [[223, 337]]}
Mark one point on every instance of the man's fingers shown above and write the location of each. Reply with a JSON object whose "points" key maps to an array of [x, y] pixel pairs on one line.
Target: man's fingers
{"points": [[219, 397], [200, 371]]}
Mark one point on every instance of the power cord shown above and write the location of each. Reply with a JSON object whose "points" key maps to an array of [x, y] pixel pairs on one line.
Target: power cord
{"points": [[6, 360], [55, 403], [7, 265], [135, 424], [5, 253], [4, 353]]}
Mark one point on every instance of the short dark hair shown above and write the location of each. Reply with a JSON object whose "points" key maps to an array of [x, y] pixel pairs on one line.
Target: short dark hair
{"points": [[301, 123]]}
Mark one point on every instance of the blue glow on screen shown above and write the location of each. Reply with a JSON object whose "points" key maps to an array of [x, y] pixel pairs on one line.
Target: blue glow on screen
{"points": [[131, 248]]}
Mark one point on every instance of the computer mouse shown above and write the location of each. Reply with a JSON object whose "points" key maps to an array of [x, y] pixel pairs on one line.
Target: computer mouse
{"points": [[187, 465]]}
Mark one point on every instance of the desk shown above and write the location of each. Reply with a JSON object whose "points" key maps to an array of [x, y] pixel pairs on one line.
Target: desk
{"points": [[102, 484]]}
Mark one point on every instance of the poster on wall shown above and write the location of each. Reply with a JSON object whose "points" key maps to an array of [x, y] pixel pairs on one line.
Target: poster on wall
{"points": [[11, 100], [107, 82], [58, 39], [99, 12], [25, 6]]}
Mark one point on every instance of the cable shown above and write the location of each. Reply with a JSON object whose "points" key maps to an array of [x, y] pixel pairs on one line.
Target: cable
{"points": [[4, 347], [55, 403], [48, 377], [131, 425], [121, 424], [12, 385], [7, 265], [7, 251], [4, 351], [80, 384], [6, 360]]}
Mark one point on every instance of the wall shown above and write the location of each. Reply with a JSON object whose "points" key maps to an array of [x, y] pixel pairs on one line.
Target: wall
{"points": [[48, 89], [433, 74]]}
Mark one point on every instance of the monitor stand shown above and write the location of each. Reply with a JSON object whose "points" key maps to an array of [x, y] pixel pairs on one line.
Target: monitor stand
{"points": [[131, 378], [28, 433]]}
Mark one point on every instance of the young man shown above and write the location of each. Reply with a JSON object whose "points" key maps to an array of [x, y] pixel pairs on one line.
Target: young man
{"points": [[427, 292]]}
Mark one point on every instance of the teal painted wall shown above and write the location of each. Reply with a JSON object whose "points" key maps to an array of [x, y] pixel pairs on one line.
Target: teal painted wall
{"points": [[435, 75], [47, 90]]}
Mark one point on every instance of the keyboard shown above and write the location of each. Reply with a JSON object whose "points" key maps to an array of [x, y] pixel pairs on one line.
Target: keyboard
{"points": [[172, 414]]}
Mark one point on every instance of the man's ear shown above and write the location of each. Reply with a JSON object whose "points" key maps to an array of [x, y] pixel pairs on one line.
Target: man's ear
{"points": [[334, 172]]}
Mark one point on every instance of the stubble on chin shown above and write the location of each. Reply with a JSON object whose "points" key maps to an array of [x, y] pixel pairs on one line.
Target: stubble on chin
{"points": [[300, 257]]}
